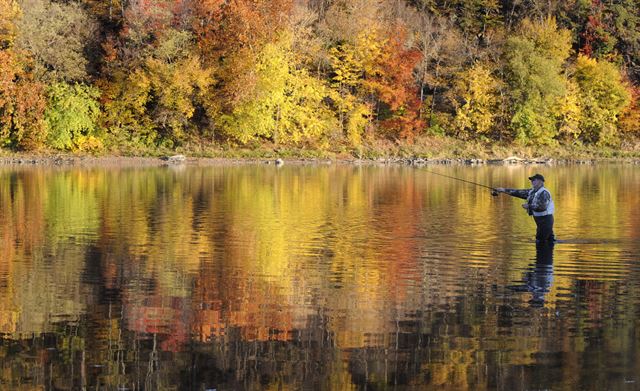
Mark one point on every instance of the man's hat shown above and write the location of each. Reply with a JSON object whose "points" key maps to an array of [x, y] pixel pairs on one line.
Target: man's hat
{"points": [[537, 176]]}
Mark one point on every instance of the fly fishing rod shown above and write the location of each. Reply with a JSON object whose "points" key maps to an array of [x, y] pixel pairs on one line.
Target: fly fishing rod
{"points": [[494, 192]]}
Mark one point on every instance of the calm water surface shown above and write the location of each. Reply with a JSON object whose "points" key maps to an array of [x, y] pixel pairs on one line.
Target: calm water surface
{"points": [[318, 278]]}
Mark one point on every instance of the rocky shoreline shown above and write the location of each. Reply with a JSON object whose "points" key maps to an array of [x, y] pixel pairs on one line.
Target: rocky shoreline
{"points": [[177, 160], [511, 160]]}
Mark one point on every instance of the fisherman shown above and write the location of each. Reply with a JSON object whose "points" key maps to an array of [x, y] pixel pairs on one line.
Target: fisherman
{"points": [[539, 205]]}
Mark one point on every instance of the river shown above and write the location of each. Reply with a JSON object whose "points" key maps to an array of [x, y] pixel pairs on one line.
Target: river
{"points": [[318, 277]]}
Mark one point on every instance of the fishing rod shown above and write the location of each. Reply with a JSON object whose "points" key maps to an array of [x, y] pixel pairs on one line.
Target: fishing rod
{"points": [[494, 192]]}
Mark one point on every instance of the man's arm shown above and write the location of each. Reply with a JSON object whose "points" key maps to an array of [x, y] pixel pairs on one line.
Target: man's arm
{"points": [[520, 193]]}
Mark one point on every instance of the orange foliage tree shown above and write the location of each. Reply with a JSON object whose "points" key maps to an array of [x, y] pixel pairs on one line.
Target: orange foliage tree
{"points": [[231, 35], [22, 100], [395, 85]]}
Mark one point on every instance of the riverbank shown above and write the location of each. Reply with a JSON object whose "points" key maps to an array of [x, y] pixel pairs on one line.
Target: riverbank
{"points": [[182, 160], [423, 151]]}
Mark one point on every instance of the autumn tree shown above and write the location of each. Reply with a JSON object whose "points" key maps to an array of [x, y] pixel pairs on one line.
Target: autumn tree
{"points": [[350, 62], [596, 39], [445, 53], [131, 74], [478, 109], [395, 86], [158, 83], [372, 69], [266, 91], [22, 103], [22, 99], [72, 117], [157, 101], [629, 121], [287, 104], [56, 35], [109, 13], [231, 36], [9, 13], [603, 97], [535, 60]]}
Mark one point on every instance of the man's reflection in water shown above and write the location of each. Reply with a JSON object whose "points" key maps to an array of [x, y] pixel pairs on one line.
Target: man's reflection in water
{"points": [[539, 278]]}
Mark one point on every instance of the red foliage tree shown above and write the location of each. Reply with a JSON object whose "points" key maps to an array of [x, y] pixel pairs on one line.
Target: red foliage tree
{"points": [[597, 41]]}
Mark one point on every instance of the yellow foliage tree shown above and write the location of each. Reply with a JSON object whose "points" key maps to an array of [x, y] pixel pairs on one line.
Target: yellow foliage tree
{"points": [[479, 92], [156, 102], [535, 72], [351, 62], [603, 97], [569, 112], [286, 104], [9, 13]]}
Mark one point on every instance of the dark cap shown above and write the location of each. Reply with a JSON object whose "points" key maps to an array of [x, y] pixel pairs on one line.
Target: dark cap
{"points": [[537, 176]]}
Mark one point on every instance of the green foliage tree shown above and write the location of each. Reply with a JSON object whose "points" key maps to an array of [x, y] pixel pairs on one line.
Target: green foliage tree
{"points": [[72, 116], [625, 16], [535, 61]]}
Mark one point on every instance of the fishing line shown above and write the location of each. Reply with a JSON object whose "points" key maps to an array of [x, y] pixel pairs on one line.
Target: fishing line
{"points": [[494, 192]]}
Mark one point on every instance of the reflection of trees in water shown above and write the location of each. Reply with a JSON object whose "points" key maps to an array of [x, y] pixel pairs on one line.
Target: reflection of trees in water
{"points": [[477, 342], [196, 278]]}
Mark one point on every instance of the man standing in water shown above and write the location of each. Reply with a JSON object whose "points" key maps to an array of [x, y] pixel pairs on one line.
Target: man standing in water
{"points": [[539, 205]]}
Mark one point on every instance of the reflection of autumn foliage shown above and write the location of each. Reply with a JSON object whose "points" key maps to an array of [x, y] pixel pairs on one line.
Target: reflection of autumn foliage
{"points": [[597, 295], [341, 275], [167, 316], [399, 214], [21, 235], [257, 313]]}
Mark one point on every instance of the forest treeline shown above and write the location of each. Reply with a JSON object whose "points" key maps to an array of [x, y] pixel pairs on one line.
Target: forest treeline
{"points": [[95, 75]]}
